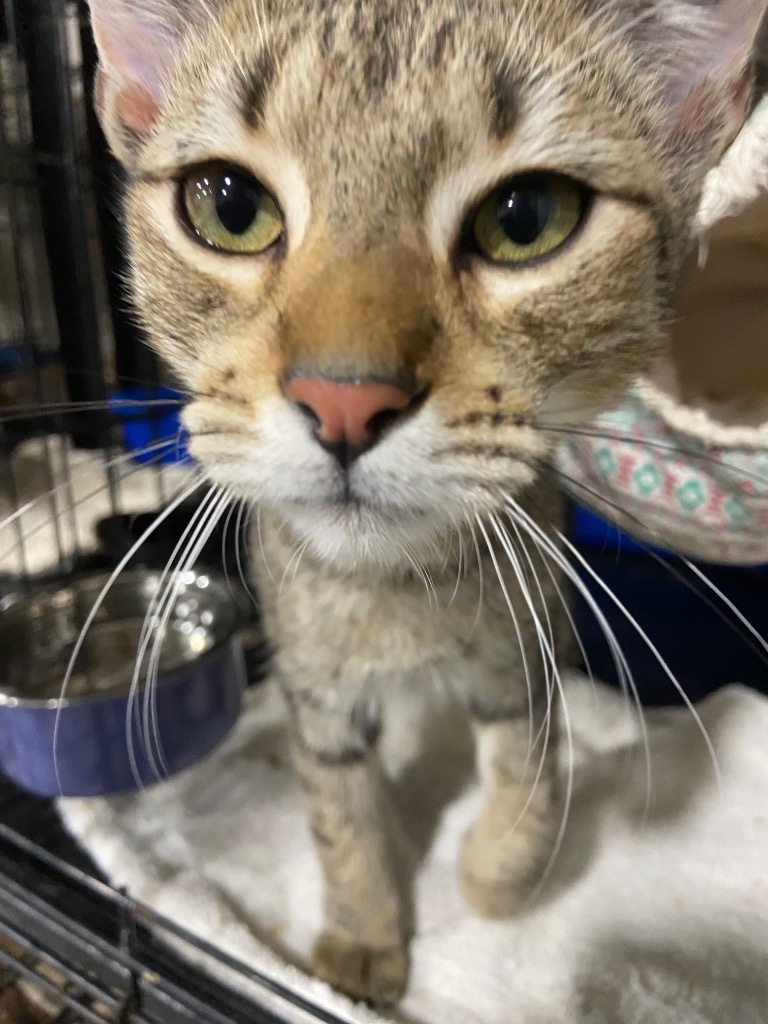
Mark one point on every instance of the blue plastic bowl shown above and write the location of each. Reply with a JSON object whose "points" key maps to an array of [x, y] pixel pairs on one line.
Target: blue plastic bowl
{"points": [[149, 416], [94, 741]]}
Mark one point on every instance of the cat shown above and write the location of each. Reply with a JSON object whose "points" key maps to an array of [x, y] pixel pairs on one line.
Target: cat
{"points": [[391, 247]]}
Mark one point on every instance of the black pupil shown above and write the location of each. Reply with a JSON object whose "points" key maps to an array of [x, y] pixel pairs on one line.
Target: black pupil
{"points": [[524, 214], [237, 203]]}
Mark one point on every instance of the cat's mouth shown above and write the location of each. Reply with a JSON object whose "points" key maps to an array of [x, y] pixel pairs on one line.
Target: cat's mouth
{"points": [[353, 525], [356, 505]]}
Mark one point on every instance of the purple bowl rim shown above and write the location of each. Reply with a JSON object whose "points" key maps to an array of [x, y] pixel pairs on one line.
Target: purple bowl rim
{"points": [[8, 702]]}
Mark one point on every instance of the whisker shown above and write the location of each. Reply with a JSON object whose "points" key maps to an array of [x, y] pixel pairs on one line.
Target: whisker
{"points": [[459, 568], [239, 529], [515, 622], [224, 37], [297, 552], [600, 14], [223, 552], [601, 44], [122, 379], [258, 14], [204, 531], [24, 533], [506, 541], [568, 798], [421, 572], [644, 442], [480, 577], [623, 670], [29, 410], [652, 648], [301, 553], [561, 596], [261, 543], [552, 683], [727, 602], [150, 623], [125, 457], [614, 506], [97, 605]]}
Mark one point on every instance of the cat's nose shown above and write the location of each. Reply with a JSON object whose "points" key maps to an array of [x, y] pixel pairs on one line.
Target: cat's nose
{"points": [[348, 417]]}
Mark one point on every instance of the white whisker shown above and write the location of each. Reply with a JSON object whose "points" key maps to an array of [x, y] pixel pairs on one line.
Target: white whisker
{"points": [[224, 37], [223, 552], [626, 678], [601, 44], [199, 538], [515, 621], [568, 798], [261, 544], [480, 577], [188, 492], [73, 504], [552, 682], [238, 553], [203, 533], [149, 624], [653, 649], [423, 575], [459, 568], [298, 551], [727, 602], [561, 597]]}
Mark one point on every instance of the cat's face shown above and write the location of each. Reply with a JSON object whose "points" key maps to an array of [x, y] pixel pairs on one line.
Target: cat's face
{"points": [[430, 228]]}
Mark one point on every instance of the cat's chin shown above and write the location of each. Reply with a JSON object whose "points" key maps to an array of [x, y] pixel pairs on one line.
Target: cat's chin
{"points": [[350, 534]]}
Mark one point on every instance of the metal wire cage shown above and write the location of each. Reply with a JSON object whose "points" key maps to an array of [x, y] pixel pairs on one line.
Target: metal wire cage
{"points": [[68, 342]]}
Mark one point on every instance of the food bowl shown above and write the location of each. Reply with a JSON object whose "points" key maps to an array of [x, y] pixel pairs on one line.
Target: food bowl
{"points": [[103, 734]]}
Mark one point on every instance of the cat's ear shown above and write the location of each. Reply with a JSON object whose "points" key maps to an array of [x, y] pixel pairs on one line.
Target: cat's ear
{"points": [[137, 41], [709, 77]]}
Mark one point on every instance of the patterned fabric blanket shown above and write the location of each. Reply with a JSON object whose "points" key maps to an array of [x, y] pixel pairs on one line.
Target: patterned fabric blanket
{"points": [[682, 462]]}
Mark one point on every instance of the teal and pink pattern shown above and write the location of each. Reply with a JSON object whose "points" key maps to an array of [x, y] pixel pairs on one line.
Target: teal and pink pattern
{"points": [[678, 476], [671, 486]]}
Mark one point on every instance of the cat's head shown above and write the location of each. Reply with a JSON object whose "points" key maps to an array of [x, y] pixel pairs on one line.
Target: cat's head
{"points": [[390, 244]]}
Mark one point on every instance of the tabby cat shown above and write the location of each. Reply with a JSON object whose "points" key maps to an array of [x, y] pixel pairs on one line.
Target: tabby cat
{"points": [[393, 248]]}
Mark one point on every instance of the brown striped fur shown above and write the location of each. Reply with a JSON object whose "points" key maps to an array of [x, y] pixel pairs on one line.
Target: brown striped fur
{"points": [[379, 125]]}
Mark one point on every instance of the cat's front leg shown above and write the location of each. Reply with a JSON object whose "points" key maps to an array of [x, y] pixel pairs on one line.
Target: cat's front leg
{"points": [[362, 950], [507, 851]]}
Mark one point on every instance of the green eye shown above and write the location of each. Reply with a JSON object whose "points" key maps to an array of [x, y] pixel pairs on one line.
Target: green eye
{"points": [[231, 211], [528, 217]]}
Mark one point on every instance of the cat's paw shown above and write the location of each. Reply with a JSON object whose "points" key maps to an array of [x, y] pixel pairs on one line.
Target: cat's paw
{"points": [[376, 976], [499, 873], [492, 899]]}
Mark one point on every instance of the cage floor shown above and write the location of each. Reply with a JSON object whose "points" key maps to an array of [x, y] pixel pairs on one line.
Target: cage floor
{"points": [[46, 877], [90, 950]]}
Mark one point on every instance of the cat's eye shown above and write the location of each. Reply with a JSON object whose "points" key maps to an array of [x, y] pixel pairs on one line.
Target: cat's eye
{"points": [[527, 218], [230, 211]]}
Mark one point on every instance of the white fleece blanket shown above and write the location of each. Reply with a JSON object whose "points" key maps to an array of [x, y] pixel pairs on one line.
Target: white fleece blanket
{"points": [[656, 910]]}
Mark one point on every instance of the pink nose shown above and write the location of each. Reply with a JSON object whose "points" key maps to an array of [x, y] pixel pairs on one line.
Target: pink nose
{"points": [[349, 418]]}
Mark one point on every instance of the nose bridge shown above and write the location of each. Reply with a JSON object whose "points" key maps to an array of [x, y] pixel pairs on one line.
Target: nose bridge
{"points": [[368, 315]]}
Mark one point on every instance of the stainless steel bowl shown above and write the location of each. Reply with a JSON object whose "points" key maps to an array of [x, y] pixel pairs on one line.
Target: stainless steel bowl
{"points": [[92, 737]]}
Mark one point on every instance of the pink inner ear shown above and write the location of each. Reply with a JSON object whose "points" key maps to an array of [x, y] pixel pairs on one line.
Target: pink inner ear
{"points": [[735, 26], [136, 108], [136, 56], [136, 50], [741, 95], [714, 82], [698, 104]]}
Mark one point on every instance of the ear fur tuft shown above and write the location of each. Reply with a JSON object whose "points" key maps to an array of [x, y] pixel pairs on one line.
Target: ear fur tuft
{"points": [[711, 73], [137, 41]]}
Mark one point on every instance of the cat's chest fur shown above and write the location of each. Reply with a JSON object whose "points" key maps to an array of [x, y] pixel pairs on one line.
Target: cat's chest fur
{"points": [[445, 620]]}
